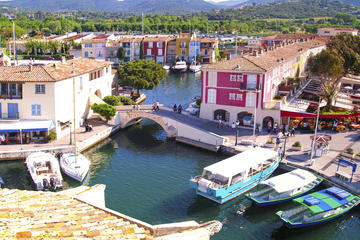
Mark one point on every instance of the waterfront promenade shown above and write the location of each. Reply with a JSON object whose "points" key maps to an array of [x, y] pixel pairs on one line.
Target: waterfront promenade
{"points": [[325, 166]]}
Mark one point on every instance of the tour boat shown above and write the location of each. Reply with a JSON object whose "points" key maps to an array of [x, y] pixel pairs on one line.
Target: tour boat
{"points": [[284, 187], [195, 68], [234, 176], [179, 67], [75, 165], [44, 170], [319, 207]]}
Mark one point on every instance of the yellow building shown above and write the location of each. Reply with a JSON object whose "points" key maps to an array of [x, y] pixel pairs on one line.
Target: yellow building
{"points": [[182, 45]]}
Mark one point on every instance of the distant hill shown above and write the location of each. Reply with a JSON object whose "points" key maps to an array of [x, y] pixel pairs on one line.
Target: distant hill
{"points": [[227, 3], [129, 6]]}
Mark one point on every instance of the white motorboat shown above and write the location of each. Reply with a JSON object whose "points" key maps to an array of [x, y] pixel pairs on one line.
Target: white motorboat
{"points": [[74, 165], [179, 67], [195, 68], [44, 170], [166, 67]]}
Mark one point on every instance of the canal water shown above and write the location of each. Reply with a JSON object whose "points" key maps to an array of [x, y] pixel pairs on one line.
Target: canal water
{"points": [[147, 177]]}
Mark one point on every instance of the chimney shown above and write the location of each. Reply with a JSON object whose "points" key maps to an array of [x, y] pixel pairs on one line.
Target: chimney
{"points": [[63, 60], [30, 67]]}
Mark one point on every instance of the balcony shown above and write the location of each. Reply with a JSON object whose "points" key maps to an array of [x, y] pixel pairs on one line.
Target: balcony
{"points": [[6, 96], [9, 116]]}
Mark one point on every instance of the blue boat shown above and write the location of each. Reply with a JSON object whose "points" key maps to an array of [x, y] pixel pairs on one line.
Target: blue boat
{"points": [[284, 187], [319, 207], [234, 176]]}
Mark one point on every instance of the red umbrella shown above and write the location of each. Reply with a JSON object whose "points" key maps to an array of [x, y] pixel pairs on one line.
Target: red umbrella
{"points": [[321, 138]]}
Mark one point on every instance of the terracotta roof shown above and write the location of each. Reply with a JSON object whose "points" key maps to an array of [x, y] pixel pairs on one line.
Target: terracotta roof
{"points": [[288, 36], [155, 39], [78, 36], [56, 36], [131, 39], [101, 36], [50, 73], [338, 29], [207, 40], [49, 215], [267, 60]]}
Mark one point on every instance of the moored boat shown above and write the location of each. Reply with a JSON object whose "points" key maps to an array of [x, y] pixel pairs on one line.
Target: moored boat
{"points": [[75, 165], [179, 67], [166, 67], [234, 176], [284, 187], [44, 170], [319, 207], [195, 68]]}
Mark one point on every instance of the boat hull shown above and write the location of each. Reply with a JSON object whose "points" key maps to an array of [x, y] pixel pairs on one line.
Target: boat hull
{"points": [[178, 70], [278, 201], [312, 223], [226, 194], [68, 166]]}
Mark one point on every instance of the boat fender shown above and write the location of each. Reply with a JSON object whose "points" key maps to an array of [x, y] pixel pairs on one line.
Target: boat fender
{"points": [[199, 179], [52, 183], [45, 184]]}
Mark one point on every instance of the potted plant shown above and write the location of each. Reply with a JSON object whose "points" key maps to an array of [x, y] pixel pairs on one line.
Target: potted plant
{"points": [[277, 97], [283, 87], [269, 144], [349, 152], [296, 146]]}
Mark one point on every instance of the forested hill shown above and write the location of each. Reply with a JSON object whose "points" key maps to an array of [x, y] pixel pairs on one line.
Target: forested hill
{"points": [[285, 10], [124, 6]]}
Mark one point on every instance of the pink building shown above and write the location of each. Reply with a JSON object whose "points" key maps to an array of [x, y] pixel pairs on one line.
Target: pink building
{"points": [[232, 89]]}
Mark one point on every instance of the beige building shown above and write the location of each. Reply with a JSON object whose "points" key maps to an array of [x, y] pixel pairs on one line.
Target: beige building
{"points": [[336, 31], [37, 99]]}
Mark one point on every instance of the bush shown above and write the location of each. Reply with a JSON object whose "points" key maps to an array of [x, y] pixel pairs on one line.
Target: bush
{"points": [[349, 151], [198, 101], [105, 110], [126, 100], [296, 144], [270, 142], [277, 97], [51, 136], [112, 100]]}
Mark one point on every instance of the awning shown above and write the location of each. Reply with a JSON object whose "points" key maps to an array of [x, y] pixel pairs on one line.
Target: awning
{"points": [[26, 126], [296, 114]]}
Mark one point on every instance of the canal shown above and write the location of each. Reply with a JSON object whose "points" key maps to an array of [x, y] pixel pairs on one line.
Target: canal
{"points": [[147, 176]]}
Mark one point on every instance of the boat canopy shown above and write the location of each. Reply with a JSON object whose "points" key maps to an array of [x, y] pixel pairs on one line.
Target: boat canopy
{"points": [[26, 126], [290, 181], [325, 200], [241, 162]]}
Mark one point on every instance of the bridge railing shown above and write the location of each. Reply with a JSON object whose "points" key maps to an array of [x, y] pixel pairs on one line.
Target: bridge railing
{"points": [[131, 107]]}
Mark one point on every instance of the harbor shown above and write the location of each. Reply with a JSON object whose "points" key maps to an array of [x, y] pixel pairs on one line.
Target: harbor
{"points": [[144, 170]]}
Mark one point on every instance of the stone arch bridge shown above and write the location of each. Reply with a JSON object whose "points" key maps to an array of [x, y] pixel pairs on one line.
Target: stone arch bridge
{"points": [[181, 127]]}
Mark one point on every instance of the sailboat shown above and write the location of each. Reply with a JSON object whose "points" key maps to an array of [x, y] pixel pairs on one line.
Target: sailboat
{"points": [[74, 164]]}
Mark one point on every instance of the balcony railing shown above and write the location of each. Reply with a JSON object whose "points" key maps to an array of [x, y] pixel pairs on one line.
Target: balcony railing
{"points": [[9, 116]]}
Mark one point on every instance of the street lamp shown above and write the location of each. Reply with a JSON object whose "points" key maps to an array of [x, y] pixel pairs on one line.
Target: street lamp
{"points": [[236, 131]]}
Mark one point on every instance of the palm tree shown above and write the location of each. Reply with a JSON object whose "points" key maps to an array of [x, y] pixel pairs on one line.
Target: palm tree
{"points": [[329, 92]]}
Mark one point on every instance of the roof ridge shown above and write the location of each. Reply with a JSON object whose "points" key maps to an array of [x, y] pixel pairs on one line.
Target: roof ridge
{"points": [[253, 63], [48, 72]]}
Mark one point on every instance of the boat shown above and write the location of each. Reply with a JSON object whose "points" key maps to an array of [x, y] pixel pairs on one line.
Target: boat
{"points": [[229, 178], [319, 207], [75, 165], [166, 67], [193, 108], [44, 170], [195, 68], [179, 67], [284, 187]]}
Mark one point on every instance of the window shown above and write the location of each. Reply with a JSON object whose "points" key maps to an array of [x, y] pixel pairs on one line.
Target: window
{"points": [[90, 45], [159, 44], [4, 89], [86, 54], [39, 88], [232, 78], [160, 53], [231, 96], [86, 45], [148, 52], [211, 96], [251, 82], [206, 52], [36, 109], [183, 52], [212, 79], [239, 97], [183, 44], [99, 54], [150, 44], [240, 78], [250, 99]]}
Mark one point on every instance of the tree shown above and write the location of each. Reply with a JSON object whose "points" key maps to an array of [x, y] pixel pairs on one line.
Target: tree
{"points": [[120, 54], [142, 55], [105, 110], [329, 92], [141, 74], [327, 65]]}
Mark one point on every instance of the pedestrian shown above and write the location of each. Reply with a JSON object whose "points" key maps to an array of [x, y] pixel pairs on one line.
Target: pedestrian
{"points": [[334, 125], [233, 126], [157, 105], [277, 143], [269, 125], [154, 106], [175, 107], [179, 108], [292, 131]]}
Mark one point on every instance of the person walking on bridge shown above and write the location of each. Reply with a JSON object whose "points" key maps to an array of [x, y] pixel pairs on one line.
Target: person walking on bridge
{"points": [[179, 108], [175, 107]]}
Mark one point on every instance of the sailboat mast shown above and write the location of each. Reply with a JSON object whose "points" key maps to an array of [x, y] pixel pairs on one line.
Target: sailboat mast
{"points": [[75, 149]]}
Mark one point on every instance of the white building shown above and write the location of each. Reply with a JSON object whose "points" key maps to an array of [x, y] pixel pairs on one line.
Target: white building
{"points": [[37, 99], [336, 31]]}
